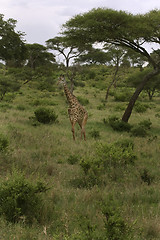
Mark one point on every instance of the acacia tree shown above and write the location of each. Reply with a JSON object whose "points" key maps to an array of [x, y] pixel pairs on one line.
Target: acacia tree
{"points": [[37, 55], [121, 29], [116, 57], [93, 56], [64, 48], [135, 59]]}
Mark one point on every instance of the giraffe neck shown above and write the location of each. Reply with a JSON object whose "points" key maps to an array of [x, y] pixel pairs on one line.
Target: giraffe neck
{"points": [[70, 97]]}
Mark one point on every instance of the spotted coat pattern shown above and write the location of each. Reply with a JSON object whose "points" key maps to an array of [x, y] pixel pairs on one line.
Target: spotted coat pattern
{"points": [[76, 112]]}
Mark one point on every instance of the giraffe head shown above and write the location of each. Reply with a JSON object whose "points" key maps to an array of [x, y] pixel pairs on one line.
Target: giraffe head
{"points": [[61, 80]]}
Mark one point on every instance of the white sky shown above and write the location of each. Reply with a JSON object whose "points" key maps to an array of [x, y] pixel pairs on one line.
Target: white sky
{"points": [[41, 20]]}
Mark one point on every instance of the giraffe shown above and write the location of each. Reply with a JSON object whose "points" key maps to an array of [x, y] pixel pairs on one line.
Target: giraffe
{"points": [[76, 112]]}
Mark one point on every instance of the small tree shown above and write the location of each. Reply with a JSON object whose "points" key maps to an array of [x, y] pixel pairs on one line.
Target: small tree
{"points": [[93, 56], [37, 55], [12, 47], [116, 56], [64, 48], [136, 59]]}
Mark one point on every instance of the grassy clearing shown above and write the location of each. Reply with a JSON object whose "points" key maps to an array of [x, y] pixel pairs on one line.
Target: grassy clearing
{"points": [[72, 208]]}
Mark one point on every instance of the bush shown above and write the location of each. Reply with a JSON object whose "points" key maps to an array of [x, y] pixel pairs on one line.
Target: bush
{"points": [[93, 170], [83, 101], [46, 83], [119, 153], [73, 159], [119, 107], [122, 97], [45, 115], [138, 131], [140, 108], [79, 84], [125, 143], [20, 199], [146, 177], [101, 107], [108, 156], [119, 125], [115, 226], [3, 143], [95, 134], [146, 124]]}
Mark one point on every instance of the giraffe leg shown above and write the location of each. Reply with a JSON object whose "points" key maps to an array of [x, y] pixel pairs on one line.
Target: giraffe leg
{"points": [[83, 132], [73, 130]]}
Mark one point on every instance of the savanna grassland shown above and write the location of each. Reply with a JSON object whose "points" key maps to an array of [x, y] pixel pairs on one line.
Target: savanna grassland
{"points": [[107, 187]]}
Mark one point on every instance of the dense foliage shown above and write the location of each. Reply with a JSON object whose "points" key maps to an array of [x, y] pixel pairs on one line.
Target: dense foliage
{"points": [[20, 200]]}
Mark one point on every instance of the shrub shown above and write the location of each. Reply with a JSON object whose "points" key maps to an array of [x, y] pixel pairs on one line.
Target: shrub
{"points": [[122, 97], [93, 169], [3, 143], [145, 124], [45, 115], [125, 143], [116, 154], [79, 84], [95, 134], [92, 166], [119, 125], [146, 177], [91, 75], [72, 159], [138, 131], [20, 199], [140, 108], [101, 107], [115, 226], [119, 107], [46, 83], [83, 101]]}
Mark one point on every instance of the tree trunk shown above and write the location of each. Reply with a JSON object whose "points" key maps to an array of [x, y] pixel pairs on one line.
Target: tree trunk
{"points": [[67, 62], [139, 89], [113, 81], [107, 93], [151, 93]]}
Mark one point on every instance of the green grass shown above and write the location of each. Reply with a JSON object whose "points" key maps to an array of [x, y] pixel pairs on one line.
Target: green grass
{"points": [[42, 151]]}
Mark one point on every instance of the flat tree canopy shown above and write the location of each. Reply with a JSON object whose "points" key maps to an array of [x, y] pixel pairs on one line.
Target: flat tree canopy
{"points": [[108, 26]]}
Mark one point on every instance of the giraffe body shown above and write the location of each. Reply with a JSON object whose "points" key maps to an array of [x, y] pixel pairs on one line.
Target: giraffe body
{"points": [[76, 112]]}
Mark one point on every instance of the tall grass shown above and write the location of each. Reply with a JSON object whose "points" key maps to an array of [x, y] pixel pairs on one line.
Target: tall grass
{"points": [[46, 152]]}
